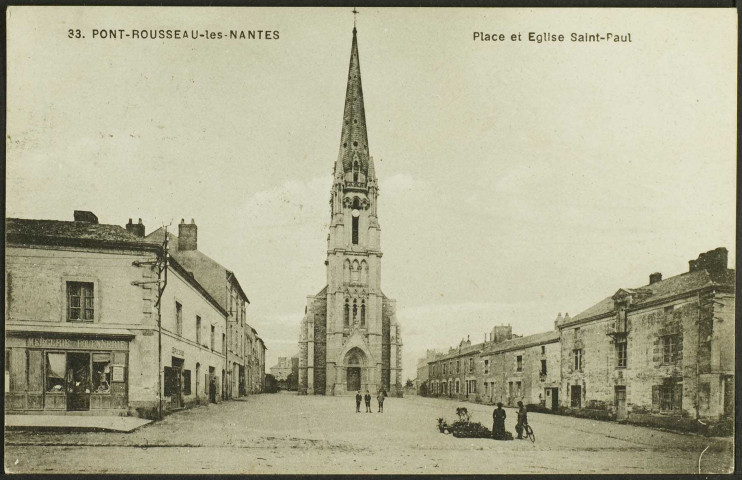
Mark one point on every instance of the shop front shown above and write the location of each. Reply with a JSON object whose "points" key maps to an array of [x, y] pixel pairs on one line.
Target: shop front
{"points": [[47, 374]]}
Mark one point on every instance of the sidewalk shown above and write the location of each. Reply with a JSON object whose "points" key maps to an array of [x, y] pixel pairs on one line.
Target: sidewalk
{"points": [[74, 423]]}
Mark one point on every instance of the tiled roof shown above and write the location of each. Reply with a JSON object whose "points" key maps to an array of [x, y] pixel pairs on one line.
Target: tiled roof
{"points": [[685, 282], [523, 342], [59, 229]]}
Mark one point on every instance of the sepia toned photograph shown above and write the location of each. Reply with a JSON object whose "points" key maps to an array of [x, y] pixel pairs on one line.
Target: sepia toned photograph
{"points": [[195, 199]]}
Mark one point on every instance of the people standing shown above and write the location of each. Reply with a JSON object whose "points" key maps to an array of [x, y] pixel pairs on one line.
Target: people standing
{"points": [[522, 420], [380, 399], [498, 425], [367, 398], [358, 402]]}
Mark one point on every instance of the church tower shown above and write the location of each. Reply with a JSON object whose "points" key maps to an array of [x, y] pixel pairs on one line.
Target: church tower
{"points": [[349, 338]]}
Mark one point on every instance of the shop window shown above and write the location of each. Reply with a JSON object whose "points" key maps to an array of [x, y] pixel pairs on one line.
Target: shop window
{"points": [[621, 354], [519, 363], [101, 373], [55, 372], [80, 306], [186, 382]]}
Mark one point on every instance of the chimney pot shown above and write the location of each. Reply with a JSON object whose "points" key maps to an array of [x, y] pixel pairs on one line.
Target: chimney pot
{"points": [[140, 221]]}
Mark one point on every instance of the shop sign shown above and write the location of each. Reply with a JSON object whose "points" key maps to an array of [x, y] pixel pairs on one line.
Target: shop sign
{"points": [[178, 352], [117, 374], [81, 343]]}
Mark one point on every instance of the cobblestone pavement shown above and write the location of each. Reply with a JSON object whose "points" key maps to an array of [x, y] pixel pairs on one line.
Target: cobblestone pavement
{"points": [[285, 433]]}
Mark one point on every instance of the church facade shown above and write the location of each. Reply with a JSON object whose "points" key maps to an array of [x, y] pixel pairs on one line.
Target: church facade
{"points": [[349, 337]]}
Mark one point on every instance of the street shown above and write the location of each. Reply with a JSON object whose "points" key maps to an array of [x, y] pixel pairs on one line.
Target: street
{"points": [[285, 433]]}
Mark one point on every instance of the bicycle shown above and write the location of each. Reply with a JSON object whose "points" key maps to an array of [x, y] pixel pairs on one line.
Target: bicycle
{"points": [[529, 433]]}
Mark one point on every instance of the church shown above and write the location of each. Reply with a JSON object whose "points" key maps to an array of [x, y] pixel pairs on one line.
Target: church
{"points": [[349, 337]]}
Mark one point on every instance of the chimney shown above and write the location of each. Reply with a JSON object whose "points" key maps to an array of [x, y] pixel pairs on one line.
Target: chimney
{"points": [[135, 228], [187, 235], [714, 261], [85, 216], [655, 277]]}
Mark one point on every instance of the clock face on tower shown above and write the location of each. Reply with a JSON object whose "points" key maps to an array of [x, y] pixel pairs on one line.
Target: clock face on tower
{"points": [[355, 213]]}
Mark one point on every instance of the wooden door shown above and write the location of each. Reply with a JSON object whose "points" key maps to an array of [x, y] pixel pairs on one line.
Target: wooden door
{"points": [[621, 403], [354, 379]]}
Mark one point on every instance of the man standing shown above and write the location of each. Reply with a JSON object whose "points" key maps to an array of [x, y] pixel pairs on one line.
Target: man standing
{"points": [[358, 402], [367, 398], [522, 419], [498, 426], [380, 399]]}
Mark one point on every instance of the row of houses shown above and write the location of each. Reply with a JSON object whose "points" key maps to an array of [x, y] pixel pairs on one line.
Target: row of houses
{"points": [[105, 320], [661, 354]]}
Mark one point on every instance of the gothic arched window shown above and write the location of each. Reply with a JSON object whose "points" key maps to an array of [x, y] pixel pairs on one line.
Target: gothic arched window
{"points": [[363, 313], [355, 271], [355, 170], [355, 311], [346, 320]]}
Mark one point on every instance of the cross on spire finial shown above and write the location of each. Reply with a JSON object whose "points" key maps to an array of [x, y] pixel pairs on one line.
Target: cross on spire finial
{"points": [[355, 14]]}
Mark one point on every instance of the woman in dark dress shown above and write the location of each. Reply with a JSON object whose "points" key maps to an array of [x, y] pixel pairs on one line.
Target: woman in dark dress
{"points": [[498, 427]]}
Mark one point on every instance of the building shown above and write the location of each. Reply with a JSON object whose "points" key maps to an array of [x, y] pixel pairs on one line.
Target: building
{"points": [[658, 353], [282, 369], [223, 285], [349, 337], [423, 372], [82, 331]]}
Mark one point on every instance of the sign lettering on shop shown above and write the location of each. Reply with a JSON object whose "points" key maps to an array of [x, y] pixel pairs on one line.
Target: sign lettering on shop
{"points": [[83, 343], [178, 352]]}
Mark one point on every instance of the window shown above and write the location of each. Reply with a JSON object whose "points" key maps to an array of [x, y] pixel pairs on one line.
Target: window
{"points": [[445, 370], [355, 311], [622, 324], [213, 335], [198, 329], [543, 367], [621, 354], [668, 396], [519, 363], [7, 371], [102, 372], [187, 382], [363, 313], [457, 386], [486, 388], [473, 386], [517, 389], [346, 317], [471, 365], [486, 367], [670, 346], [543, 349], [178, 318], [55, 369], [355, 230], [224, 343], [577, 358], [80, 306]]}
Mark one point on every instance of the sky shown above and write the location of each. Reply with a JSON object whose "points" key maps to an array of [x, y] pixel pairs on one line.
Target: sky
{"points": [[517, 180]]}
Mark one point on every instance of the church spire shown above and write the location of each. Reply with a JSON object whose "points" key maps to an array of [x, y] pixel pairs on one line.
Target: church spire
{"points": [[354, 153]]}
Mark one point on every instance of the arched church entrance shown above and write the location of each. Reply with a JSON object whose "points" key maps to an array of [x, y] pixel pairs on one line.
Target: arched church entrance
{"points": [[355, 362]]}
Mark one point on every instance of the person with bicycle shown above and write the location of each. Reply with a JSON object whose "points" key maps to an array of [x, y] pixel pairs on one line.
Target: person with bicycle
{"points": [[522, 420]]}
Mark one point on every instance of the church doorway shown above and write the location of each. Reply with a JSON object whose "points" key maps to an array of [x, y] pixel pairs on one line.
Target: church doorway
{"points": [[355, 363], [354, 379]]}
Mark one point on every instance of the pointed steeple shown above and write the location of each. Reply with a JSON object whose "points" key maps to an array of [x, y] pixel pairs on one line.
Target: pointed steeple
{"points": [[353, 139]]}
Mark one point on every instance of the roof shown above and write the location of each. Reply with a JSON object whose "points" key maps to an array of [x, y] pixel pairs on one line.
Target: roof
{"points": [[190, 278], [664, 289], [353, 138], [60, 232], [208, 272], [524, 342]]}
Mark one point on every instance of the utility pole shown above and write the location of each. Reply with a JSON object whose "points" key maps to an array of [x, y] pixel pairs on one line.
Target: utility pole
{"points": [[160, 264]]}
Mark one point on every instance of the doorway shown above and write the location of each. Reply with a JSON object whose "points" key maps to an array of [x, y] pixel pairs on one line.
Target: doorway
{"points": [[354, 379], [554, 399], [620, 402], [212, 385], [176, 398], [576, 394], [78, 381]]}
